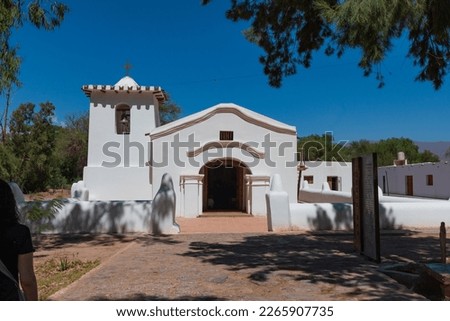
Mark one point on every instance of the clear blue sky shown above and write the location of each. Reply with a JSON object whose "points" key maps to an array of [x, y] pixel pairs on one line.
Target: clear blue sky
{"points": [[200, 58]]}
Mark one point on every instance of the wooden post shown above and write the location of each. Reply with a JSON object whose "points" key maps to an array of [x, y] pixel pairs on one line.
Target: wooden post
{"points": [[443, 239]]}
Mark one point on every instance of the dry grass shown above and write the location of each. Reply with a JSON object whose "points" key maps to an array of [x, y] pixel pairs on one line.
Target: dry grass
{"points": [[48, 195], [57, 273]]}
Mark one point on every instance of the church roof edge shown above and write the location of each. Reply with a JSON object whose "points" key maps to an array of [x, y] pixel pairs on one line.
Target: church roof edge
{"points": [[244, 113], [126, 84]]}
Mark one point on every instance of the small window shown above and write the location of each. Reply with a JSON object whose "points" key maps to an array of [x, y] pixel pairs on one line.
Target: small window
{"points": [[334, 182], [226, 135], [123, 120], [309, 179], [430, 180]]}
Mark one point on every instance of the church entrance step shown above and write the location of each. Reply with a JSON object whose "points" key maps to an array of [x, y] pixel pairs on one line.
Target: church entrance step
{"points": [[224, 214]]}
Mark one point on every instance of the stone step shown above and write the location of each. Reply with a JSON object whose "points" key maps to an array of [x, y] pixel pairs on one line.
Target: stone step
{"points": [[224, 214]]}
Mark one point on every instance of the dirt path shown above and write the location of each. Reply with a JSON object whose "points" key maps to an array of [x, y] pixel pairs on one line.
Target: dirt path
{"points": [[237, 266]]}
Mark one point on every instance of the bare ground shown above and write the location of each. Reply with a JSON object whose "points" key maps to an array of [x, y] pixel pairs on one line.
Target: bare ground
{"points": [[237, 266]]}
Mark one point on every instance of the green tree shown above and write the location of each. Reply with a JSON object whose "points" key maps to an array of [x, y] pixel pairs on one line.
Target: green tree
{"points": [[72, 147], [8, 163], [43, 14], [361, 147], [428, 156], [321, 148], [291, 31], [169, 111], [9, 70], [32, 141], [388, 149]]}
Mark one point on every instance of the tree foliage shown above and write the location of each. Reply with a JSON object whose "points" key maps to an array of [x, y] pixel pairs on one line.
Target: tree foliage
{"points": [[72, 147], [323, 147], [169, 111], [43, 14], [32, 140], [291, 31], [39, 154], [8, 163]]}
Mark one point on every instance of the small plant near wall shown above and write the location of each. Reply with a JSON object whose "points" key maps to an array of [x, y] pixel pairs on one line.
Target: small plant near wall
{"points": [[39, 214], [64, 264], [58, 272]]}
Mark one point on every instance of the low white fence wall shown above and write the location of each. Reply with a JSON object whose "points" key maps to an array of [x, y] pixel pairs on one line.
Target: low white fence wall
{"points": [[395, 212], [75, 216], [81, 216], [339, 216], [325, 195]]}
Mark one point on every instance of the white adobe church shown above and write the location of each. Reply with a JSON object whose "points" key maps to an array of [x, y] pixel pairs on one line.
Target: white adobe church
{"points": [[141, 176], [220, 159]]}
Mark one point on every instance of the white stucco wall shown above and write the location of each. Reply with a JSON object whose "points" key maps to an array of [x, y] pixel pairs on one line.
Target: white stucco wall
{"points": [[324, 195], [339, 216], [395, 179], [204, 127], [102, 127], [320, 170], [118, 184], [116, 168]]}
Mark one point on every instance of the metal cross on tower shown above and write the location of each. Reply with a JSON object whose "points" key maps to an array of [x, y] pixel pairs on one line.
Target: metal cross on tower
{"points": [[128, 67]]}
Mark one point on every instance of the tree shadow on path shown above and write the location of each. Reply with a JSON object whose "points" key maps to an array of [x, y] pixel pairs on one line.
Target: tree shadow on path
{"points": [[316, 259]]}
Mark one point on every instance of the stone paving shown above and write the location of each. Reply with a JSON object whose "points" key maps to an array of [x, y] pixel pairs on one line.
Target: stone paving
{"points": [[250, 266]]}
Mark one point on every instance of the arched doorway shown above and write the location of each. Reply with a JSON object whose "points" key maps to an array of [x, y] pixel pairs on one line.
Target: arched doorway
{"points": [[224, 185]]}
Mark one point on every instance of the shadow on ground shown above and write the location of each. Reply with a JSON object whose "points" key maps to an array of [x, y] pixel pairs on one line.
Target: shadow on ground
{"points": [[59, 241], [300, 266], [319, 259]]}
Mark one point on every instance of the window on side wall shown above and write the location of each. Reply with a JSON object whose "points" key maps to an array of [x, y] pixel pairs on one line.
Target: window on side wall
{"points": [[334, 182], [429, 180], [309, 179], [123, 119]]}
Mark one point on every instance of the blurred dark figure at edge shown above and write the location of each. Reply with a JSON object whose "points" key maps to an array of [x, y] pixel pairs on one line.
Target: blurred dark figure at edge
{"points": [[16, 250]]}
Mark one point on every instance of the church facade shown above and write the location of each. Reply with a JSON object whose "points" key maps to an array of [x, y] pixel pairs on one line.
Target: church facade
{"points": [[220, 159]]}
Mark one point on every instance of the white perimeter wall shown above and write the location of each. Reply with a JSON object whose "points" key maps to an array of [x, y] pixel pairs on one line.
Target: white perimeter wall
{"points": [[395, 212], [395, 179], [339, 216]]}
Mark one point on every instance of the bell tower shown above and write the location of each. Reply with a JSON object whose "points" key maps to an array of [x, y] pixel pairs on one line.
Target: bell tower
{"points": [[119, 117]]}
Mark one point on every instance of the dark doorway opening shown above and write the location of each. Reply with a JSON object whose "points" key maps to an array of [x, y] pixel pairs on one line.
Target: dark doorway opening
{"points": [[409, 185], [334, 183], [223, 187]]}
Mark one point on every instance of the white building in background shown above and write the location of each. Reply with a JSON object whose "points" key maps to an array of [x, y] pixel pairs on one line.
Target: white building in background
{"points": [[338, 175], [430, 180], [220, 159]]}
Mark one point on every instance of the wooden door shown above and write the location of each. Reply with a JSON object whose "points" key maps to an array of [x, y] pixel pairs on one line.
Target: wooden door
{"points": [[409, 185]]}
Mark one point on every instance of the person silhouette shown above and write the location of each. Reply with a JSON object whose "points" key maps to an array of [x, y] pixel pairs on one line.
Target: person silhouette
{"points": [[16, 250]]}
